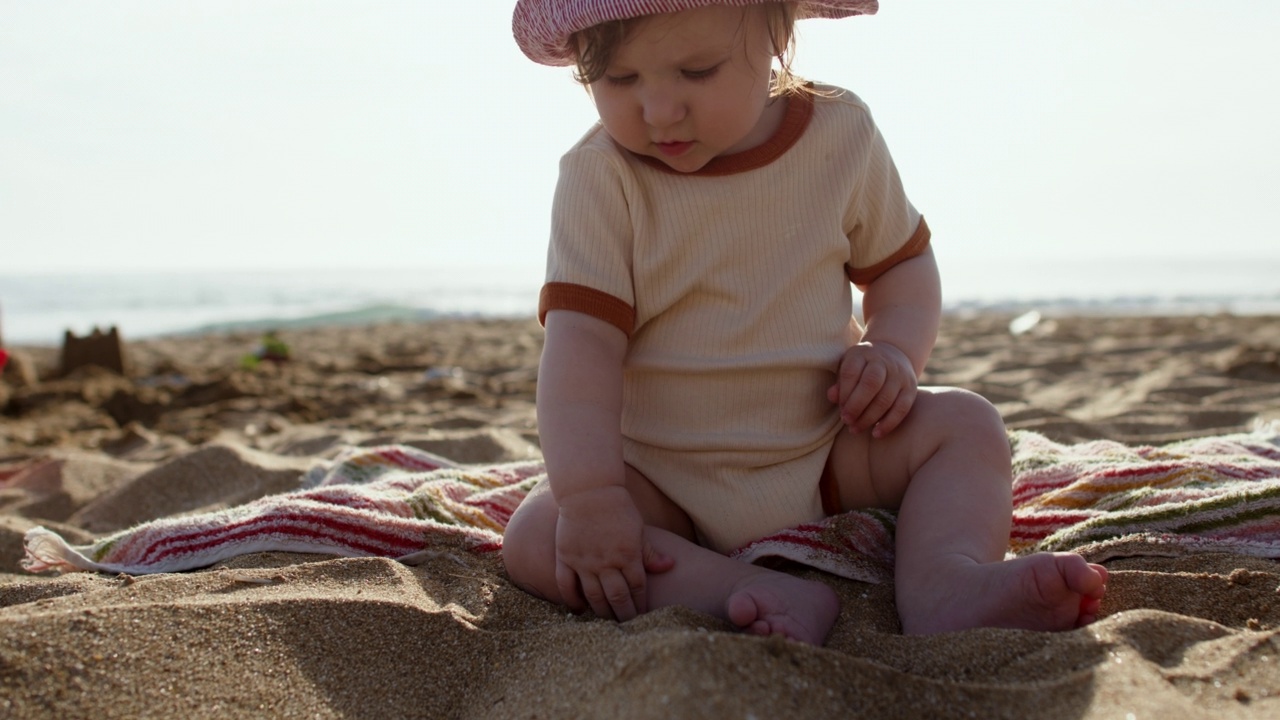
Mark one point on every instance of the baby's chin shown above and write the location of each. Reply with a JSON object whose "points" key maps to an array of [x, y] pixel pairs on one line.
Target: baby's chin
{"points": [[691, 161]]}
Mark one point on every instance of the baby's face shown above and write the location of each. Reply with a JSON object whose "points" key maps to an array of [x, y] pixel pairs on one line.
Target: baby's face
{"points": [[687, 87]]}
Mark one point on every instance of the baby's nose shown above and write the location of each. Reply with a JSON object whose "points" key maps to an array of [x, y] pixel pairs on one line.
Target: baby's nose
{"points": [[662, 109]]}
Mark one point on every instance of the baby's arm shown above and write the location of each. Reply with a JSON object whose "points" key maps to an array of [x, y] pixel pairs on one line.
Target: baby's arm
{"points": [[876, 383], [599, 550]]}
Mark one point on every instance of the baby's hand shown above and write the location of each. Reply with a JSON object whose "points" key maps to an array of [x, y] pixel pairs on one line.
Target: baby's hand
{"points": [[875, 388], [601, 554]]}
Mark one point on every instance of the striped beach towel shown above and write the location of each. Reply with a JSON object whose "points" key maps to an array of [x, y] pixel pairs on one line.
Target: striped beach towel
{"points": [[1101, 499]]}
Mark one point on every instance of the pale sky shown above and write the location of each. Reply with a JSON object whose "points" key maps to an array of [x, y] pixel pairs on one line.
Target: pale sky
{"points": [[342, 133]]}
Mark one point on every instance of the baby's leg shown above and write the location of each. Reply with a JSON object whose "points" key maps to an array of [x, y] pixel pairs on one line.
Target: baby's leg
{"points": [[947, 470], [529, 541], [755, 599]]}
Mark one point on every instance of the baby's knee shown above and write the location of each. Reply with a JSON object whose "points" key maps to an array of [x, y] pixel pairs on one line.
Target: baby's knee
{"points": [[968, 415], [972, 408], [529, 572], [528, 554], [524, 575]]}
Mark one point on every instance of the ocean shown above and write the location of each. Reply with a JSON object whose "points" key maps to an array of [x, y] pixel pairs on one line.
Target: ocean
{"points": [[36, 309]]}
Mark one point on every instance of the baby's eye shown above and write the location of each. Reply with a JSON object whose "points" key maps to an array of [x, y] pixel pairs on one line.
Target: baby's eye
{"points": [[620, 79], [704, 74]]}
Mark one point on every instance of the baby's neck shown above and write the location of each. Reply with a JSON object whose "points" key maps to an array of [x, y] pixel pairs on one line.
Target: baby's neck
{"points": [[766, 128]]}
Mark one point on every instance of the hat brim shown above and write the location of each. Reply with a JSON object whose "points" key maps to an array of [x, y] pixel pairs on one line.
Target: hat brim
{"points": [[542, 28]]}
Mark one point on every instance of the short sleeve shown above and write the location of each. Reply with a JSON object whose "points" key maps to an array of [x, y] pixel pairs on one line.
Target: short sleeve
{"points": [[589, 258], [882, 225]]}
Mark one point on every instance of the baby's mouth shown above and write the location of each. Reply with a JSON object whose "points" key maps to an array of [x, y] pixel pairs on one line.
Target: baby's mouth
{"points": [[674, 149]]}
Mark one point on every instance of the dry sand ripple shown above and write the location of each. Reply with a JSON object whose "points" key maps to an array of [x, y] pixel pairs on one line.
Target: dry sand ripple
{"points": [[286, 635]]}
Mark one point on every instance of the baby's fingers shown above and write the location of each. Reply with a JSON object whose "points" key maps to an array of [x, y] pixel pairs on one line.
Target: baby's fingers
{"points": [[610, 596], [570, 592], [863, 391], [656, 562], [593, 590], [897, 412]]}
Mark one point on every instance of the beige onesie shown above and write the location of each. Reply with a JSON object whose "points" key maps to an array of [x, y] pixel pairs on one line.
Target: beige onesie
{"points": [[733, 286]]}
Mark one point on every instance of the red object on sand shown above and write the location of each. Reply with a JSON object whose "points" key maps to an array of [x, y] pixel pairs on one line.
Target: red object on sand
{"points": [[4, 358]]}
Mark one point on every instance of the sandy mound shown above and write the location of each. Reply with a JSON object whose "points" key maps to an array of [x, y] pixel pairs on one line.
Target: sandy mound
{"points": [[286, 635]]}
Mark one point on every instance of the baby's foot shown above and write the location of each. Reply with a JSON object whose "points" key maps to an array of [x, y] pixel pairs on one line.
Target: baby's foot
{"points": [[774, 603], [1045, 591]]}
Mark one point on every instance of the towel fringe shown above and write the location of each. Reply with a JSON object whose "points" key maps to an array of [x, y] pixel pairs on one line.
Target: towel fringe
{"points": [[1267, 429], [47, 551]]}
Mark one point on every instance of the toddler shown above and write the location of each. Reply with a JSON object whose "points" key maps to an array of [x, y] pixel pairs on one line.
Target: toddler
{"points": [[702, 383]]}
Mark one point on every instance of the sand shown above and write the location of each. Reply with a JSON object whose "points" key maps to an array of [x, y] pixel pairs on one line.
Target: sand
{"points": [[287, 635]]}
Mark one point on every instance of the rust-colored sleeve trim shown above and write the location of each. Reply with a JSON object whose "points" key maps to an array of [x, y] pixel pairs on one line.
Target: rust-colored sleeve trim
{"points": [[918, 243], [589, 301]]}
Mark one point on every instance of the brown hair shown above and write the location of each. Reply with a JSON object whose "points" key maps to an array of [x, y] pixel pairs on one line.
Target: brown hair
{"points": [[594, 47]]}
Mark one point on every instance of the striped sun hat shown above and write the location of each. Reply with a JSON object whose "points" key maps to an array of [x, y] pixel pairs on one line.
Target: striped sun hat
{"points": [[542, 27]]}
